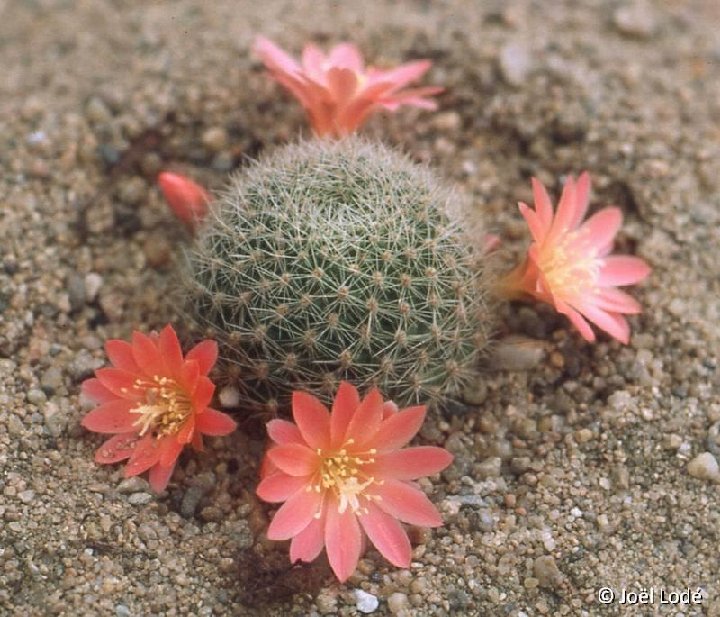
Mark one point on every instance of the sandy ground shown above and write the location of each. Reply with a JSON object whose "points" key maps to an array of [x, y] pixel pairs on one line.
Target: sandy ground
{"points": [[571, 474]]}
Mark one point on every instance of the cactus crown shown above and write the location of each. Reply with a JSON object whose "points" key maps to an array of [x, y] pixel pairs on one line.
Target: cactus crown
{"points": [[336, 260]]}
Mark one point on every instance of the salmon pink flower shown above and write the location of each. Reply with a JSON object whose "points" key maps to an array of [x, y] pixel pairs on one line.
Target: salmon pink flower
{"points": [[344, 472], [187, 199], [568, 265], [155, 402], [337, 91]]}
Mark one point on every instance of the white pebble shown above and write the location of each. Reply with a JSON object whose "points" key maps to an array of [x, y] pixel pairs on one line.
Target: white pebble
{"points": [[705, 467], [93, 283], [365, 602], [514, 61], [229, 396]]}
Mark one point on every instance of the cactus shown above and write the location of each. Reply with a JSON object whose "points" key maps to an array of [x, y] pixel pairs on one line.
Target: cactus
{"points": [[338, 260]]}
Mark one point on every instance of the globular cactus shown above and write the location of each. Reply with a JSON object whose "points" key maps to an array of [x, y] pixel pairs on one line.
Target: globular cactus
{"points": [[337, 260]]}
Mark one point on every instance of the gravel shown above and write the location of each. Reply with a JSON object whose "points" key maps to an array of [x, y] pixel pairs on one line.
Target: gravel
{"points": [[576, 467]]}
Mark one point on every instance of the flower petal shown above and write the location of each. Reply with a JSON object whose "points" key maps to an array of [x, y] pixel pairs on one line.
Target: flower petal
{"points": [[170, 350], [410, 463], [279, 486], [120, 383], [567, 211], [366, 420], [401, 75], [346, 56], [147, 355], [612, 323], [619, 270], [94, 390], [205, 353], [343, 541], [145, 455], [582, 199], [187, 431], [406, 503], [312, 63], [111, 417], [273, 56], [282, 432], [346, 402], [203, 393], [537, 230], [601, 228], [187, 199], [189, 376], [388, 536], [214, 423], [415, 97], [543, 207], [160, 476], [616, 301], [120, 354], [577, 320], [312, 418], [170, 448], [117, 448], [306, 545], [399, 428], [342, 84], [294, 459], [294, 515]]}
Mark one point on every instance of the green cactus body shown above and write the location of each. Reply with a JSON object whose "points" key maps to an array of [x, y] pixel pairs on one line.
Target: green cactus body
{"points": [[337, 260]]}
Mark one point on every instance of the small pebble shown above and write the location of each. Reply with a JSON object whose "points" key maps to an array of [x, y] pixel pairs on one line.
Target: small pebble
{"points": [[97, 111], [398, 602], [135, 484], [51, 380], [36, 397], [93, 283], [215, 139], [365, 602], [26, 496], [635, 20], [140, 499], [132, 191], [704, 467], [326, 602], [547, 573], [122, 611], [518, 353], [514, 63], [76, 292], [229, 396]]}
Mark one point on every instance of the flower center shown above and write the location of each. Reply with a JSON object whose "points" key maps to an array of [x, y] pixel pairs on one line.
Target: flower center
{"points": [[165, 409], [341, 472], [569, 270]]}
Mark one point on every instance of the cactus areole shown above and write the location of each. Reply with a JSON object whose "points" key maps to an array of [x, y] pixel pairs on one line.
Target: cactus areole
{"points": [[331, 261]]}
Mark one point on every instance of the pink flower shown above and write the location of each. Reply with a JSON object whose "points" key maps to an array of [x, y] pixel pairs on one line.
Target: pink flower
{"points": [[155, 402], [187, 199], [342, 471], [568, 265], [337, 90]]}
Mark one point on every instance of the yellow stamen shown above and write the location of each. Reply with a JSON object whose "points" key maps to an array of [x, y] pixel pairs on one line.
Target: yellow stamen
{"points": [[569, 272], [340, 472], [165, 409]]}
